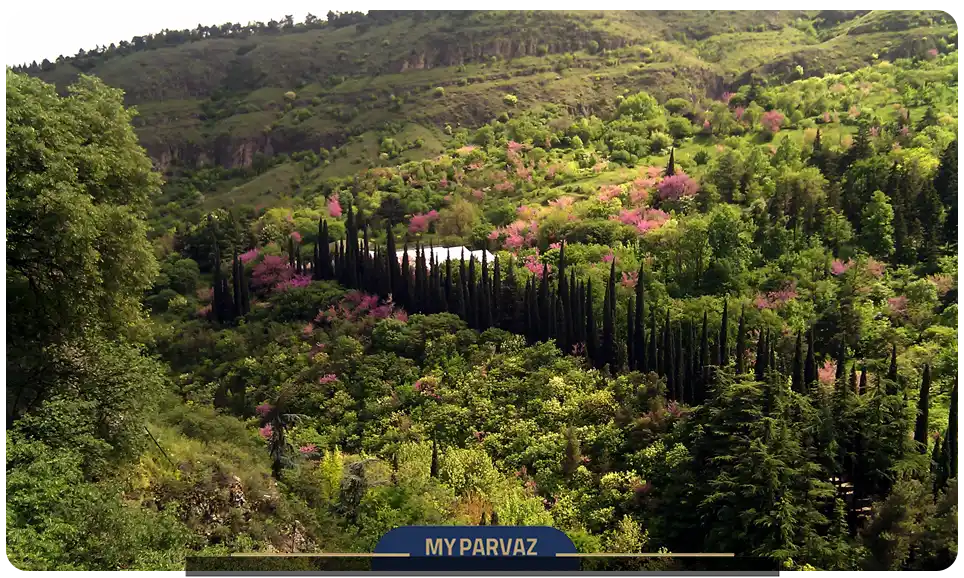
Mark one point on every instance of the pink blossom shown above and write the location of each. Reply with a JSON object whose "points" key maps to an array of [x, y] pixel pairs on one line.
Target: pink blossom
{"points": [[644, 220], [629, 280], [944, 283], [443, 183], [504, 187], [609, 257], [264, 409], [334, 207], [598, 167], [535, 267], [828, 372], [897, 305], [562, 202], [676, 186], [706, 124], [308, 329], [204, 312], [401, 315], [854, 112], [265, 431], [308, 449], [609, 192], [776, 299], [495, 234], [271, 272], [326, 379], [556, 245], [932, 53], [726, 97], [904, 131], [579, 349], [738, 112], [296, 236], [478, 194], [513, 147], [249, 256], [772, 120], [826, 116], [420, 222], [838, 267], [653, 171], [295, 282]]}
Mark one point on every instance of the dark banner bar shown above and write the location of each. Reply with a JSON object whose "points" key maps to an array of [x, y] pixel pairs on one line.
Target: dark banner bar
{"points": [[521, 565]]}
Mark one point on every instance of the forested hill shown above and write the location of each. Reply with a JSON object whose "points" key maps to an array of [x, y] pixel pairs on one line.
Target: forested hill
{"points": [[717, 307], [223, 94]]}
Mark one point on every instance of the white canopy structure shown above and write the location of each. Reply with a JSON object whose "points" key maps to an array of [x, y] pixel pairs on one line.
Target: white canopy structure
{"points": [[443, 254]]}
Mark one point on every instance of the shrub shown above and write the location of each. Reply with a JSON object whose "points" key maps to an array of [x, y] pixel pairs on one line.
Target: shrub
{"points": [[510, 99], [439, 92]]}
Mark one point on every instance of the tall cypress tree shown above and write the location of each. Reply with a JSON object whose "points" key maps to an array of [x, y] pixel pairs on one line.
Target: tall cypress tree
{"points": [[652, 354], [575, 321], [510, 305], [923, 411], [405, 282], [945, 183], [862, 384], [562, 290], [842, 360], [291, 253], [665, 354], [892, 386], [948, 462], [854, 386], [630, 338], [639, 332], [671, 165], [592, 332], [496, 293], [236, 285], [609, 329], [680, 364], [704, 348], [245, 292], [797, 376], [543, 301], [810, 366], [391, 263], [449, 295], [351, 249], [761, 357], [670, 346], [724, 356], [741, 344]]}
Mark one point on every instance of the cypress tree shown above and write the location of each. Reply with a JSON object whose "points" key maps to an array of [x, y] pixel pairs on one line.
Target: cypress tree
{"points": [[639, 332], [291, 253], [671, 165], [473, 304], [483, 522], [575, 322], [948, 467], [892, 387], [580, 321], [842, 360], [351, 249], [810, 366], [365, 263], [761, 357], [630, 338], [324, 253], [680, 364], [724, 355], [592, 334], [704, 348], [543, 303], [496, 293], [391, 263], [945, 183], [563, 291], [923, 411], [854, 386], [609, 329], [797, 378], [245, 294], [741, 344], [405, 281], [671, 386], [510, 305], [236, 285], [665, 355], [495, 518], [448, 283], [653, 352], [862, 384]]}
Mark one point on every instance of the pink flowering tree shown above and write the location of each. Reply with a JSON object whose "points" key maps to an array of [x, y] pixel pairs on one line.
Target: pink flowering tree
{"points": [[677, 186], [772, 120], [271, 272], [334, 207], [420, 222]]}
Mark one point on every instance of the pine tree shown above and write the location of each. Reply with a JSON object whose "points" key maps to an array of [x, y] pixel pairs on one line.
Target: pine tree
{"points": [[724, 355], [923, 411], [741, 344]]}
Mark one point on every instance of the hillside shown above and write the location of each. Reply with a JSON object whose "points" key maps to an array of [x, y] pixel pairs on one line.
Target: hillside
{"points": [[222, 98], [717, 309]]}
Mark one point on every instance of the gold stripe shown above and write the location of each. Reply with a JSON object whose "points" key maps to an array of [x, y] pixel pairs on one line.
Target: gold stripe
{"points": [[320, 555], [650, 555]]}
